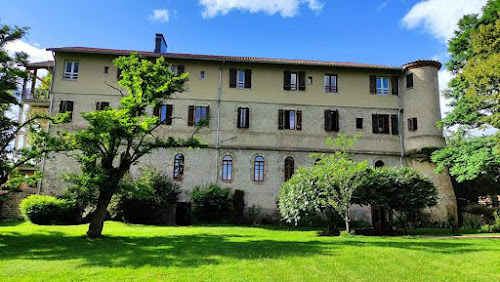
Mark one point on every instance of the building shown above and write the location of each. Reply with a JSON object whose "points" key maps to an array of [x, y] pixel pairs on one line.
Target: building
{"points": [[266, 117]]}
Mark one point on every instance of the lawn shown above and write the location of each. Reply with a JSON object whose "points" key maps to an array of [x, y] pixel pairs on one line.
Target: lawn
{"points": [[229, 253]]}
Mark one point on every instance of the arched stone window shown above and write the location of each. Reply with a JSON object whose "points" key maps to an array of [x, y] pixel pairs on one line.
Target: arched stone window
{"points": [[289, 168], [227, 168], [379, 163], [178, 167], [258, 169]]}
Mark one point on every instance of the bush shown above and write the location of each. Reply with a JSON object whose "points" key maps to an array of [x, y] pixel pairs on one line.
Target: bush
{"points": [[479, 210], [212, 203], [46, 210], [238, 209]]}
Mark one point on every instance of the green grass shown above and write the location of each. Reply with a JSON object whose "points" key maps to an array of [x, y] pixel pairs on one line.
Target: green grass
{"points": [[228, 253]]}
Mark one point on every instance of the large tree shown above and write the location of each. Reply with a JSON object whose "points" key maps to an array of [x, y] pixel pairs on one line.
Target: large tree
{"points": [[327, 186], [116, 139]]}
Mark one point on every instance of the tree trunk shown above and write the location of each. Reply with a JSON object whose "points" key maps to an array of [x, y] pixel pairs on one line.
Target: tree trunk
{"points": [[99, 215], [346, 219]]}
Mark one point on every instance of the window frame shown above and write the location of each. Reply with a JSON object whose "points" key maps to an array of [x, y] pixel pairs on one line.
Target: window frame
{"points": [[380, 120], [243, 120], [168, 115], [258, 169], [409, 85], [296, 85], [196, 108], [381, 90], [178, 169], [240, 84], [329, 88], [63, 108], [289, 123], [289, 168], [359, 123], [227, 167], [71, 74], [99, 106], [412, 124]]}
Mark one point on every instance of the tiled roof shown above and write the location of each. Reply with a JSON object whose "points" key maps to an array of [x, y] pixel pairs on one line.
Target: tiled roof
{"points": [[221, 58]]}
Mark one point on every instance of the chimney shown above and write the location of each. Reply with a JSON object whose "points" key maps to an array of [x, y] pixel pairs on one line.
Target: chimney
{"points": [[160, 44]]}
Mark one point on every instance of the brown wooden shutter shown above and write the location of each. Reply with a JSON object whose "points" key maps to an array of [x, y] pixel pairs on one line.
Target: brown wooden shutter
{"points": [[299, 120], [286, 118], [328, 120], [335, 122], [156, 111], [180, 69], [302, 80], [208, 116], [375, 123], [373, 84], [191, 116], [232, 78], [415, 124], [281, 124], [248, 78], [69, 108], [286, 79], [409, 81], [62, 107], [170, 110], [394, 124], [395, 85], [238, 124], [247, 118]]}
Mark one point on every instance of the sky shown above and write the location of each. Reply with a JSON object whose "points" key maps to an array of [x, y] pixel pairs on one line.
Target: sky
{"points": [[389, 32]]}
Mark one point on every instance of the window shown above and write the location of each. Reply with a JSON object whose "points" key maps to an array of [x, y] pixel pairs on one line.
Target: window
{"points": [[289, 119], [202, 75], [71, 70], [106, 70], [118, 74], [310, 80], [178, 70], [382, 85], [66, 106], [330, 83], [409, 81], [359, 123], [383, 124], [258, 169], [99, 106], [412, 124], [293, 81], [240, 78], [178, 167], [164, 114], [227, 168], [243, 118], [289, 168], [332, 120], [379, 163], [197, 114]]}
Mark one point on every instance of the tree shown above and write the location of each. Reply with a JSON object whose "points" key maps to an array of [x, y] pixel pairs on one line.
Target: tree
{"points": [[402, 189], [327, 186], [116, 139]]}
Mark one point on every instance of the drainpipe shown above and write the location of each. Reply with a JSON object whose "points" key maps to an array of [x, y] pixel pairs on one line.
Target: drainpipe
{"points": [[401, 140], [51, 105], [217, 142]]}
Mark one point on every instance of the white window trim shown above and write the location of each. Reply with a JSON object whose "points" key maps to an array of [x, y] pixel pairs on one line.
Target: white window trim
{"points": [[381, 90], [240, 84], [71, 75], [243, 115], [294, 87]]}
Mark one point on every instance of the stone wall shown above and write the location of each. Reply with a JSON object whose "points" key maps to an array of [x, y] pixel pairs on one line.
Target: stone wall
{"points": [[9, 208]]}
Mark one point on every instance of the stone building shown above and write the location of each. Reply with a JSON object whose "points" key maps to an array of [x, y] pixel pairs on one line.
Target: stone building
{"points": [[266, 116]]}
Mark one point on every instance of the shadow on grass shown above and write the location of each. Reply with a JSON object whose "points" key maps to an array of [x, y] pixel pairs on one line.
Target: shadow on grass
{"points": [[187, 250]]}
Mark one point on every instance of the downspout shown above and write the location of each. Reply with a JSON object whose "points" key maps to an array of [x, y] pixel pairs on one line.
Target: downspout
{"points": [[217, 142], [51, 105], [401, 139]]}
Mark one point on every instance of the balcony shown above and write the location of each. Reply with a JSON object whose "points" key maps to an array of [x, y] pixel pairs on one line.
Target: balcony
{"points": [[37, 98]]}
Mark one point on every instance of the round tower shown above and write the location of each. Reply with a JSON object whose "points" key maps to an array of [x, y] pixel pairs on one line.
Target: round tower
{"points": [[421, 112], [420, 103]]}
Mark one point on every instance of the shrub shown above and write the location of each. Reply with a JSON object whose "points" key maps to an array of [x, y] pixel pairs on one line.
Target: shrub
{"points": [[45, 210], [238, 209], [479, 210], [212, 203]]}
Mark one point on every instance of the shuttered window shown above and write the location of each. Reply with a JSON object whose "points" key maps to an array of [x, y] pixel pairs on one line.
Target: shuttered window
{"points": [[164, 114], [382, 85], [384, 124], [66, 106], [243, 118], [178, 167], [394, 124], [289, 119], [293, 81], [394, 85], [359, 123], [99, 106], [409, 81], [332, 120], [330, 83], [412, 124], [289, 168], [197, 114], [240, 78]]}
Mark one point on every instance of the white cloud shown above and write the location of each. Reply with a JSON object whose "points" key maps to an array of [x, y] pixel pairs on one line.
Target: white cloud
{"points": [[444, 77], [35, 54], [440, 17], [286, 8], [161, 15]]}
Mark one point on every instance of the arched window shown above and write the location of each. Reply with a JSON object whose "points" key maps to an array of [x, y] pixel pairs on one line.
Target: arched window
{"points": [[227, 168], [178, 167], [379, 164], [258, 169], [289, 168]]}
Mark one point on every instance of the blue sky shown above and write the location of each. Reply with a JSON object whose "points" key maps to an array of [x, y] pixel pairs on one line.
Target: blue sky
{"points": [[359, 30]]}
